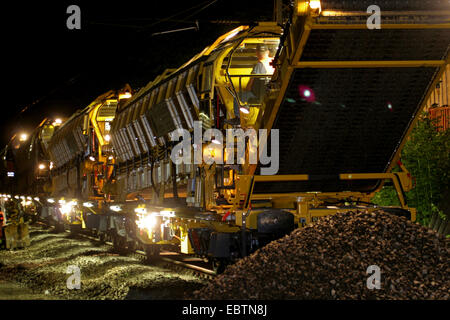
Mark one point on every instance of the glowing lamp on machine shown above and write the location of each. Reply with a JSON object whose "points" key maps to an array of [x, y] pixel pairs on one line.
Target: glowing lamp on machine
{"points": [[50, 200], [167, 214], [11, 174], [91, 158], [57, 122], [125, 95], [107, 138], [73, 203], [41, 166], [88, 205], [16, 197], [245, 110], [65, 208], [140, 210], [23, 137], [115, 208], [315, 4], [147, 221], [36, 199]]}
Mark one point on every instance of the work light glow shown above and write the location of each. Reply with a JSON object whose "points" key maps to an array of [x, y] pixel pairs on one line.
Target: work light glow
{"points": [[146, 221], [115, 208], [23, 137], [315, 4], [245, 110]]}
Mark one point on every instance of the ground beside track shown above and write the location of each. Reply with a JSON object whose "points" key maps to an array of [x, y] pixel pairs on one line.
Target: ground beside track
{"points": [[39, 272]]}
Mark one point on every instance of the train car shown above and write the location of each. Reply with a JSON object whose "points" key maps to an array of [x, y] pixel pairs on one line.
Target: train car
{"points": [[82, 160], [26, 161], [25, 178]]}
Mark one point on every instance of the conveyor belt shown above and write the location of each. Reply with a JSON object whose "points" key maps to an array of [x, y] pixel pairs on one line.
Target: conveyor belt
{"points": [[359, 115], [384, 44]]}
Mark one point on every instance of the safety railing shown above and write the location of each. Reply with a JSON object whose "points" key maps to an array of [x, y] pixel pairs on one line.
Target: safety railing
{"points": [[240, 91]]}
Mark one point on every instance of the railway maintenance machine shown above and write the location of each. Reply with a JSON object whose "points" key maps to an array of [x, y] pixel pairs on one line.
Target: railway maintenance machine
{"points": [[343, 96], [342, 93]]}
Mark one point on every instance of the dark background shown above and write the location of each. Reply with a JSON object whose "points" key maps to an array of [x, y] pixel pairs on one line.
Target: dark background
{"points": [[51, 71]]}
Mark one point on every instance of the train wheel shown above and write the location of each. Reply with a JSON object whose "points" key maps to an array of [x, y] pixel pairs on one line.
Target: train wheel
{"points": [[218, 266], [102, 237], [152, 252], [119, 243], [59, 227], [75, 229], [131, 246]]}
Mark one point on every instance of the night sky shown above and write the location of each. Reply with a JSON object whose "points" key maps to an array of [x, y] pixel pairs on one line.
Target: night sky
{"points": [[55, 71]]}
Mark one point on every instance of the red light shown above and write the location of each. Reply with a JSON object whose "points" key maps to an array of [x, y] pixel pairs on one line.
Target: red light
{"points": [[306, 93]]}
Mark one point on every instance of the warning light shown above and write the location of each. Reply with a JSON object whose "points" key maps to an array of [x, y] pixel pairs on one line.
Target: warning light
{"points": [[306, 93]]}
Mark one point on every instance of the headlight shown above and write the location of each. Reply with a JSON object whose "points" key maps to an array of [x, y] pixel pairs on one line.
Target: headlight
{"points": [[65, 208], [147, 221], [314, 4], [115, 208], [140, 210], [167, 214]]}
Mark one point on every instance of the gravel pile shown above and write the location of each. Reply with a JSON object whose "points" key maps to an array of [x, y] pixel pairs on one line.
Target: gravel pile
{"points": [[329, 260], [42, 268]]}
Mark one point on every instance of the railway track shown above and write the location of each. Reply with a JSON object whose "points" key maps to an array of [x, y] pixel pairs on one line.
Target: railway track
{"points": [[171, 259]]}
